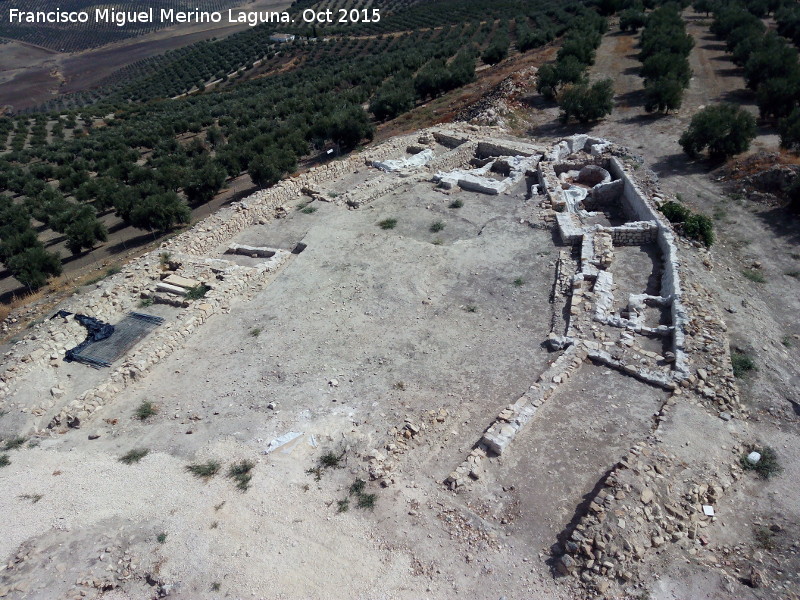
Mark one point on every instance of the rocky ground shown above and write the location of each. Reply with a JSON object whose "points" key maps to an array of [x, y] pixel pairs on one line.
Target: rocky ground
{"points": [[391, 351]]}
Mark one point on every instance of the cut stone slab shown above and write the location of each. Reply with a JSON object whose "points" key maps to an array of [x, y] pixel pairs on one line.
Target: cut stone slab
{"points": [[257, 251], [171, 289], [183, 282]]}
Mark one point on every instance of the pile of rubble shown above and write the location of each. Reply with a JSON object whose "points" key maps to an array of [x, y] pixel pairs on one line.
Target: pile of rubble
{"points": [[644, 503], [494, 106], [763, 177]]}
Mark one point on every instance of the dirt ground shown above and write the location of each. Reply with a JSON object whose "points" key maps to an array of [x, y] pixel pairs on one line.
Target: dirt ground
{"points": [[405, 321]]}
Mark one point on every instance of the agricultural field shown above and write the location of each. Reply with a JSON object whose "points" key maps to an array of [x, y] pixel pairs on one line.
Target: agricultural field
{"points": [[69, 37]]}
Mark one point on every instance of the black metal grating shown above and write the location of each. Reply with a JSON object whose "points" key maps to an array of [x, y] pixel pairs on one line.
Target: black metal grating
{"points": [[126, 334]]}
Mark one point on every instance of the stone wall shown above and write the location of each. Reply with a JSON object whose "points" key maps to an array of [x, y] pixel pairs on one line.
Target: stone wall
{"points": [[632, 234], [636, 203]]}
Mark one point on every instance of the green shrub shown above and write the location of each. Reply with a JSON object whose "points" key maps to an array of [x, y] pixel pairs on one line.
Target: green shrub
{"points": [[754, 275], [699, 227], [388, 224], [240, 472], [675, 212], [197, 292], [204, 470], [767, 467], [436, 226], [331, 459], [146, 410], [14, 443], [134, 456], [367, 501], [357, 487], [694, 226], [742, 364]]}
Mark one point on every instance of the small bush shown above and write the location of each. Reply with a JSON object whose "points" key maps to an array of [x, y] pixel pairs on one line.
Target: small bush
{"points": [[367, 501], [316, 472], [694, 226], [34, 498], [767, 467], [764, 537], [161, 538], [216, 586], [134, 456], [14, 443], [240, 472], [436, 226], [145, 302], [357, 487], [4, 460], [163, 259], [675, 212], [456, 204], [742, 364], [204, 470], [519, 282], [309, 210], [754, 276], [146, 410], [255, 332], [197, 292], [331, 460], [699, 227], [388, 224], [471, 308], [343, 505]]}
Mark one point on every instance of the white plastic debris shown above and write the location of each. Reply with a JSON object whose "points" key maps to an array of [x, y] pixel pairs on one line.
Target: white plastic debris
{"points": [[708, 510], [753, 458], [282, 441]]}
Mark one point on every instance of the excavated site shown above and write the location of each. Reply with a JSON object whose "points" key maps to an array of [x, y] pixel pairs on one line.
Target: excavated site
{"points": [[462, 365]]}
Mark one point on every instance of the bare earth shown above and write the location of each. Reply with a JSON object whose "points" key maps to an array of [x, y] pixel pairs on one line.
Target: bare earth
{"points": [[370, 330]]}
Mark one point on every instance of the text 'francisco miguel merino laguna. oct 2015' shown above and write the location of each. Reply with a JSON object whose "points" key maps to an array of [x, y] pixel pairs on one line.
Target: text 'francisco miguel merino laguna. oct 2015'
{"points": [[121, 18]]}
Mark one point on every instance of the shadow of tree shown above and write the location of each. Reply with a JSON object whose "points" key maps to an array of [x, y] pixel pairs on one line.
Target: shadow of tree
{"points": [[670, 165], [782, 223]]}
